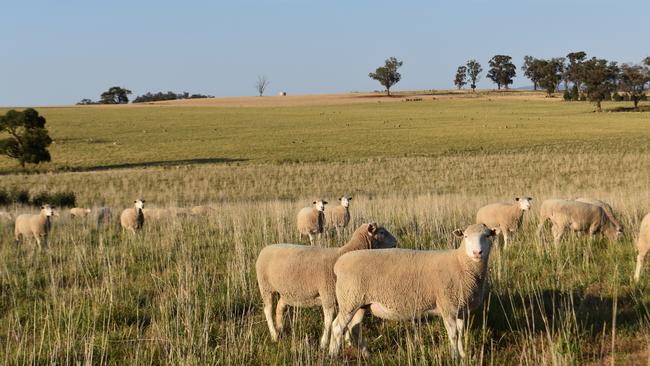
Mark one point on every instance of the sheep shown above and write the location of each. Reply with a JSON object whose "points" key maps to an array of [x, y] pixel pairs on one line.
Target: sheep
{"points": [[577, 216], [133, 218], [338, 217], [303, 276], [404, 284], [311, 220], [504, 217], [104, 216], [606, 207], [79, 212], [37, 225], [642, 246], [156, 213], [201, 210]]}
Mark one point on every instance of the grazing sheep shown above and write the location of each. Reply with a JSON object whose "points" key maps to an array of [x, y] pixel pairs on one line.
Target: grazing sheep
{"points": [[338, 217], [403, 284], [303, 276], [504, 217], [577, 216], [156, 213], [311, 220], [37, 225], [642, 246], [79, 212], [201, 210], [606, 207], [133, 218], [104, 216]]}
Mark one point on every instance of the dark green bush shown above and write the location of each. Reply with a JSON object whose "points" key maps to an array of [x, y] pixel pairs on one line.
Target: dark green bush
{"points": [[57, 199]]}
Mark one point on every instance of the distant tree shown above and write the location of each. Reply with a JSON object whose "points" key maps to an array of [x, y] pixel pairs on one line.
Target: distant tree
{"points": [[599, 80], [550, 74], [474, 69], [159, 96], [28, 139], [261, 84], [531, 70], [461, 77], [115, 95], [86, 101], [632, 81], [574, 70], [387, 75], [502, 70]]}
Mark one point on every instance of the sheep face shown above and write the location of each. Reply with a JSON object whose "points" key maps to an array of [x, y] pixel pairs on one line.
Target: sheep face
{"points": [[477, 241], [614, 233], [139, 203], [525, 203], [320, 205], [47, 210], [380, 237], [345, 201]]}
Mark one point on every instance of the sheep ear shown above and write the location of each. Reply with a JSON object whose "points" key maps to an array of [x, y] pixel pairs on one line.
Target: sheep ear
{"points": [[340, 198], [372, 227], [324, 202], [313, 203], [493, 233], [459, 233], [516, 198], [42, 207], [530, 198]]}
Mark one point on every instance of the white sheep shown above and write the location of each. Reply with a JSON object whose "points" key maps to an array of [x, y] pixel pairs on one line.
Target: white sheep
{"points": [[338, 217], [104, 216], [157, 213], [38, 225], [79, 212], [311, 220], [403, 284], [133, 218], [609, 211], [642, 246], [577, 216], [504, 217], [303, 276]]}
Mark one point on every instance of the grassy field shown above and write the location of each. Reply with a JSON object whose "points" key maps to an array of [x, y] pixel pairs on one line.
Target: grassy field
{"points": [[184, 290]]}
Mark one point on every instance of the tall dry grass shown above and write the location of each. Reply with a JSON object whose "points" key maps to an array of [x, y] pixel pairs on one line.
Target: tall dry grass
{"points": [[184, 290]]}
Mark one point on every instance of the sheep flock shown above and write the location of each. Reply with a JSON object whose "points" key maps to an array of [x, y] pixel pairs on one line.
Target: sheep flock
{"points": [[368, 274]]}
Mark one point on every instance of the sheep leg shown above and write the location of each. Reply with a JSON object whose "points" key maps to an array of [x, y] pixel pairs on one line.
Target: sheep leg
{"points": [[460, 327], [540, 228], [38, 240], [311, 238], [267, 297], [338, 327], [506, 238], [354, 329], [452, 334], [279, 316], [639, 266], [558, 231], [328, 317]]}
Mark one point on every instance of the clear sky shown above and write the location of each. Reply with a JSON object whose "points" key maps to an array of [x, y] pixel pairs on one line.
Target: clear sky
{"points": [[58, 52]]}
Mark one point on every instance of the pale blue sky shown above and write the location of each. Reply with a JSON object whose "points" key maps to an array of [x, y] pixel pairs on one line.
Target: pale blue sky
{"points": [[58, 52]]}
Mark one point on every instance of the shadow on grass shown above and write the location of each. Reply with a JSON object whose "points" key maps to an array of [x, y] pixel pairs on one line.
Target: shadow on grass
{"points": [[144, 164], [641, 108]]}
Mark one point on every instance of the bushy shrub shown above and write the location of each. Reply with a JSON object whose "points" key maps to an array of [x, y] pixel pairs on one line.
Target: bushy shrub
{"points": [[57, 199]]}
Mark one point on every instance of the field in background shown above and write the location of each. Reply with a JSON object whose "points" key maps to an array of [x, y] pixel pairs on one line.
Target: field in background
{"points": [[184, 291]]}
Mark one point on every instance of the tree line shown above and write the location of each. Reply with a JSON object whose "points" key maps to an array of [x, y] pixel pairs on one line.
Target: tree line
{"points": [[119, 95], [592, 79]]}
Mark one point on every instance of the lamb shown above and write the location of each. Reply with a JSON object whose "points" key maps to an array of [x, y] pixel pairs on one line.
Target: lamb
{"points": [[133, 218], [79, 212], [338, 217], [504, 217], [606, 207], [311, 220], [37, 225], [642, 246], [104, 216], [577, 216], [303, 276], [403, 284]]}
